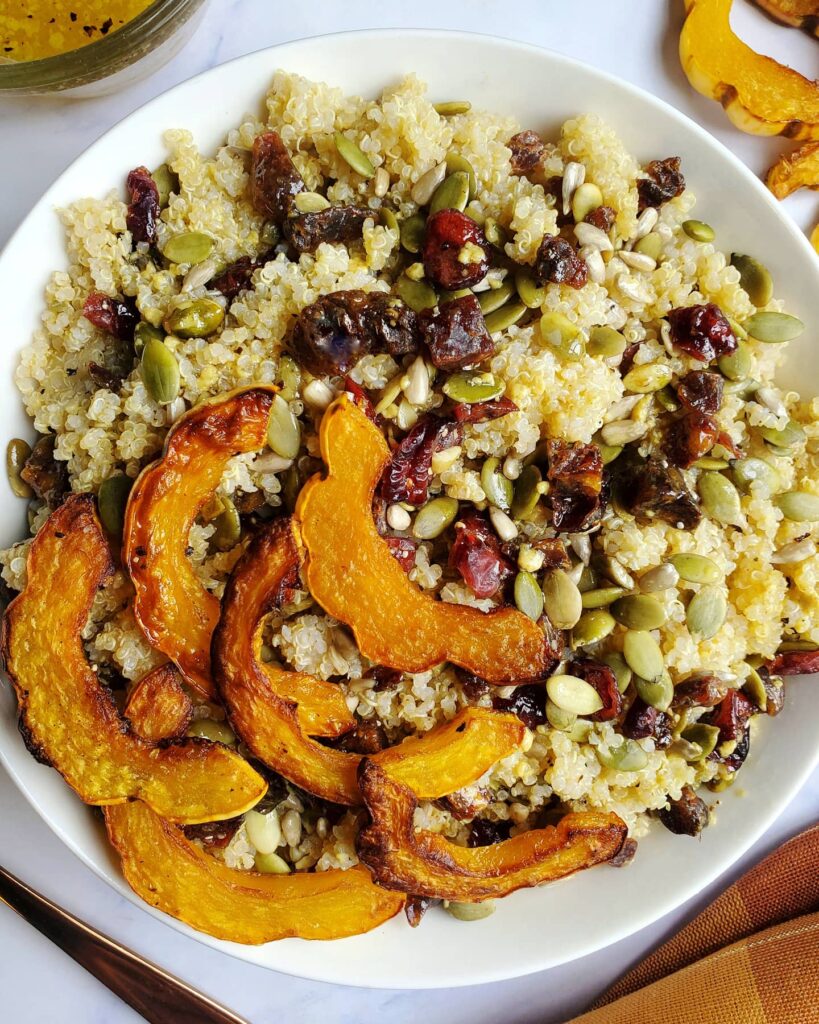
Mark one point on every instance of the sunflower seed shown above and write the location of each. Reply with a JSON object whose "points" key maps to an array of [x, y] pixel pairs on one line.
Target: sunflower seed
{"points": [[417, 388], [504, 527], [638, 260], [574, 174], [398, 518], [582, 546], [588, 234], [622, 432], [424, 189], [198, 275], [572, 694], [381, 185], [706, 612], [263, 831], [595, 264], [771, 399], [270, 462], [796, 551], [443, 460], [317, 394], [512, 467], [645, 222]]}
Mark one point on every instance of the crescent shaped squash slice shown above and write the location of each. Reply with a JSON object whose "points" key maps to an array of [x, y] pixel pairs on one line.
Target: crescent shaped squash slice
{"points": [[759, 94], [799, 169], [352, 574], [70, 721], [427, 864], [802, 14], [263, 700], [176, 612], [158, 707]]}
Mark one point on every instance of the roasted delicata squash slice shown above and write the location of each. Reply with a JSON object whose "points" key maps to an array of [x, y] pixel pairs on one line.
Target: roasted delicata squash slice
{"points": [[799, 169], [352, 574], [173, 607], [427, 864], [263, 700], [70, 721], [802, 14], [158, 707], [759, 95]]}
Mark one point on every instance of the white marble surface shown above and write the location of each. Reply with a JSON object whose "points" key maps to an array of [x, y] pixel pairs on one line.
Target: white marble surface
{"points": [[635, 39]]}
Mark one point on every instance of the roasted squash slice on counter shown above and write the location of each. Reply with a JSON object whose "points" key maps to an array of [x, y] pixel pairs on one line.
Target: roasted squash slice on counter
{"points": [[173, 607], [263, 700], [70, 721], [799, 169], [802, 14], [424, 863], [353, 576], [759, 94], [158, 707]]}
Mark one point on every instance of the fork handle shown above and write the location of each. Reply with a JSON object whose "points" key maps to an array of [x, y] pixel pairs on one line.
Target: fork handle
{"points": [[158, 996]]}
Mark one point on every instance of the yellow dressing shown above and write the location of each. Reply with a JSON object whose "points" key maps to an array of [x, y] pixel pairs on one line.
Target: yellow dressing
{"points": [[33, 29]]}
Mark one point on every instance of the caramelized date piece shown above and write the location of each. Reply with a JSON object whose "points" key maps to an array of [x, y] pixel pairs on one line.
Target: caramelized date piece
{"points": [[476, 555], [650, 489], [576, 475], [701, 331], [643, 722], [483, 832], [558, 262], [213, 835], [731, 717], [273, 178], [527, 152], [45, 475], [237, 276], [456, 334], [483, 411], [795, 663], [687, 816], [368, 737], [473, 686], [689, 437], [664, 182], [143, 209], [116, 316], [604, 681], [699, 692], [701, 391], [775, 692], [527, 702], [452, 237], [603, 217], [104, 378], [407, 476], [306, 231], [554, 553], [626, 854]]}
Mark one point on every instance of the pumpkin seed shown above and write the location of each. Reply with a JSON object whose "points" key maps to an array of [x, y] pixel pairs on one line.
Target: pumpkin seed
{"points": [[592, 627], [754, 278], [188, 247], [754, 687], [263, 831], [611, 569], [628, 757], [494, 298], [706, 612], [643, 655], [622, 673], [562, 335], [658, 693], [528, 595], [216, 732], [290, 376], [799, 506], [699, 230], [558, 718], [587, 197], [601, 597], [609, 452], [606, 342], [291, 485], [283, 429], [471, 387], [647, 378], [586, 577], [528, 291], [580, 731], [451, 194], [738, 365], [496, 487], [166, 181], [434, 518], [704, 736], [415, 271], [622, 432], [797, 645], [470, 911], [197, 318], [111, 501], [504, 317], [310, 202], [271, 864], [496, 234], [17, 452], [774, 328], [418, 295], [353, 155], [413, 230], [452, 107], [449, 296], [389, 220], [457, 164], [572, 694], [650, 245], [228, 527], [159, 371], [527, 493], [695, 568], [639, 611], [788, 437], [720, 498], [756, 473], [562, 600], [709, 463], [661, 577]]}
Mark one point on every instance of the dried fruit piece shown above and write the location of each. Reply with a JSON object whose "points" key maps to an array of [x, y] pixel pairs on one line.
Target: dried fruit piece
{"points": [[795, 663], [702, 331], [652, 489], [176, 611], [603, 679], [482, 411], [273, 178], [476, 555], [456, 333], [69, 720], [407, 476], [143, 209], [307, 231], [116, 316], [158, 707], [527, 152], [664, 181], [687, 816], [46, 475], [701, 391], [689, 437], [350, 572], [455, 252], [576, 475], [558, 262]]}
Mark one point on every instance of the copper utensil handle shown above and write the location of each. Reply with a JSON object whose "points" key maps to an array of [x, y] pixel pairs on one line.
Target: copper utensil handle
{"points": [[158, 996]]}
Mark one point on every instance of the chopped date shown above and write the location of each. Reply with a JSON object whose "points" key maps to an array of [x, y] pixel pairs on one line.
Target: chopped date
{"points": [[731, 716], [626, 854], [689, 437], [480, 412], [476, 554], [368, 737], [555, 554], [602, 217], [699, 692], [627, 360], [104, 378], [665, 181], [407, 476], [527, 702], [456, 252], [650, 489], [386, 679], [527, 152], [116, 316], [143, 208], [274, 179], [558, 262], [795, 663], [576, 476], [473, 686], [687, 816], [46, 475], [213, 834], [645, 722], [416, 907], [403, 550], [236, 278], [483, 832], [456, 334], [701, 391], [701, 331], [306, 231], [602, 678], [465, 804], [735, 760]]}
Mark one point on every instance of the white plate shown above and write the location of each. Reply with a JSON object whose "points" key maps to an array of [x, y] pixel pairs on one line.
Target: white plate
{"points": [[534, 929]]}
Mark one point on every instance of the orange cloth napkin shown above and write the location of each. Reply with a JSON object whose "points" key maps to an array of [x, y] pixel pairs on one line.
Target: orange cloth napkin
{"points": [[752, 957]]}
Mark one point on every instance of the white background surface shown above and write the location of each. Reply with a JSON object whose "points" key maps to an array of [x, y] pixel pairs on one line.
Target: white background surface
{"points": [[635, 39]]}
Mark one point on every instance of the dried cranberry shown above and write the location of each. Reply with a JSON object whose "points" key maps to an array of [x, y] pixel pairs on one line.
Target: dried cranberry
{"points": [[482, 411], [627, 360], [368, 737], [407, 476], [795, 663], [687, 816], [689, 437], [527, 702], [477, 556], [483, 832], [359, 397], [701, 331], [701, 391], [237, 277], [664, 182], [143, 209], [116, 316], [213, 834], [604, 681], [306, 231], [273, 178], [456, 334], [576, 475], [699, 692], [447, 233], [645, 722], [527, 152], [603, 217], [625, 855], [473, 686], [558, 262], [416, 907], [46, 475], [650, 489], [403, 550]]}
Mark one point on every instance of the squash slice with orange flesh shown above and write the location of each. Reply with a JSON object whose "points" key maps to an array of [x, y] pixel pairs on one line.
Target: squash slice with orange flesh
{"points": [[759, 94], [802, 14], [353, 576], [158, 707], [176, 612], [264, 704], [427, 864], [69, 720], [799, 169]]}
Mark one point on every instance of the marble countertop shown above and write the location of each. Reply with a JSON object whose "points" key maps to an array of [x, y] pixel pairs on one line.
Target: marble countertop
{"points": [[635, 39]]}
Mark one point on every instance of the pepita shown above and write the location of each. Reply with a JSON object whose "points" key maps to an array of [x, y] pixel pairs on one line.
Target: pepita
{"points": [[797, 645], [606, 342], [609, 452], [526, 493], [657, 693], [457, 164], [528, 595], [159, 371], [647, 377], [503, 318], [720, 498], [528, 291], [628, 757], [227, 527], [317, 394], [310, 202], [188, 247], [471, 387], [143, 332], [774, 328], [412, 232], [757, 475], [452, 107], [699, 230], [789, 436], [290, 376], [451, 194], [695, 568], [799, 506], [563, 601], [17, 452], [558, 718], [601, 597], [494, 298], [271, 864], [353, 155], [611, 569], [197, 318], [498, 490], [111, 501], [754, 278], [562, 335], [389, 219], [166, 181], [434, 518], [496, 234], [738, 365], [661, 577], [592, 627], [572, 694], [704, 736], [708, 462], [650, 245], [754, 687], [706, 612], [639, 611], [418, 295], [470, 911], [283, 429], [587, 197], [622, 673], [643, 655]]}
